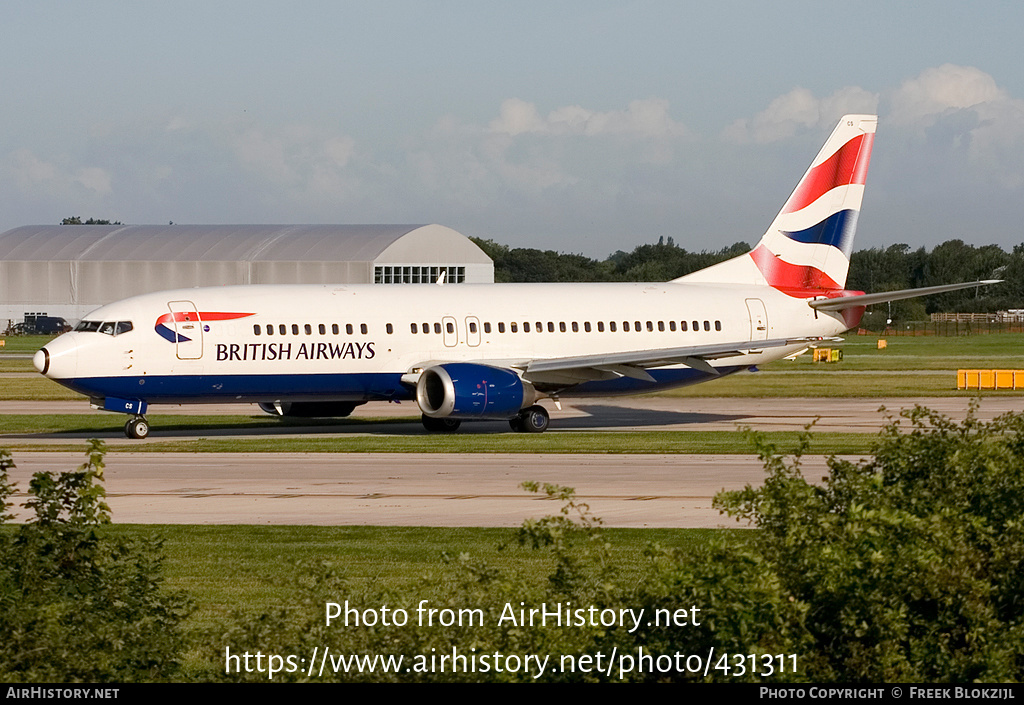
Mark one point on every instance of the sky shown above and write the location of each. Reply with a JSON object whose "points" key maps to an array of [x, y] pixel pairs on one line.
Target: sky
{"points": [[584, 127]]}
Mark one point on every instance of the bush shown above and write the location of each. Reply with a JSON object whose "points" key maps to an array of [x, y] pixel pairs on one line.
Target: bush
{"points": [[77, 604]]}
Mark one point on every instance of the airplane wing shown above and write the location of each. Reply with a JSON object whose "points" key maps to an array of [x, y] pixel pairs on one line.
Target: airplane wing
{"points": [[582, 368], [844, 302]]}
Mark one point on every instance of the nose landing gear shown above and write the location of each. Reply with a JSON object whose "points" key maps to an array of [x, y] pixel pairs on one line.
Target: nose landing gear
{"points": [[136, 427]]}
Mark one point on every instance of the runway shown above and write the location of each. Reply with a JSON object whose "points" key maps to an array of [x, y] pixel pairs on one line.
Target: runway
{"points": [[408, 490], [465, 489]]}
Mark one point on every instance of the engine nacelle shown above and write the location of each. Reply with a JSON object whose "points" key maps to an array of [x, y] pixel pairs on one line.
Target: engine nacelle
{"points": [[464, 390], [308, 409]]}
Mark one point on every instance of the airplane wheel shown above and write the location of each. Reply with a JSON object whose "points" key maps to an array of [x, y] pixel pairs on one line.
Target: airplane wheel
{"points": [[516, 423], [440, 425], [535, 419], [136, 428]]}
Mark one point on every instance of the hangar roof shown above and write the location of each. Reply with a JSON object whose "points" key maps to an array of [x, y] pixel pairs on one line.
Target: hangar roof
{"points": [[239, 243]]}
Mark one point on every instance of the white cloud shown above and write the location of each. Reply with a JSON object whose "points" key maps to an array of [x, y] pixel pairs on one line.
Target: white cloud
{"points": [[642, 118], [800, 110], [936, 90]]}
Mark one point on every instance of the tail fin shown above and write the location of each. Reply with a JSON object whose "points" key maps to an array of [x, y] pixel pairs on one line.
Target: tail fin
{"points": [[808, 246]]}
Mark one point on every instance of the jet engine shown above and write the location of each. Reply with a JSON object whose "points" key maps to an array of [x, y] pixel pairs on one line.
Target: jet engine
{"points": [[308, 409], [464, 390]]}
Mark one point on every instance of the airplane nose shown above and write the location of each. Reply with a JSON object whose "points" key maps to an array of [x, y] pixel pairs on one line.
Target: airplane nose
{"points": [[41, 361]]}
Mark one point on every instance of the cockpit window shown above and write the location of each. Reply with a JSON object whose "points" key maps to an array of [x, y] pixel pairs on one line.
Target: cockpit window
{"points": [[105, 327]]}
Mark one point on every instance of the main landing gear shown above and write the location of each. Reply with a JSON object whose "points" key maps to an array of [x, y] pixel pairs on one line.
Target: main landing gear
{"points": [[532, 419], [440, 425], [136, 427]]}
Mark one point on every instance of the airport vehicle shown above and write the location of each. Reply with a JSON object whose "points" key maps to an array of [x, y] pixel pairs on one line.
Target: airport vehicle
{"points": [[486, 351]]}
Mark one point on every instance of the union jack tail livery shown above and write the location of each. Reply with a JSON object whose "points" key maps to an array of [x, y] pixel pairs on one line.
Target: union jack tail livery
{"points": [[806, 251]]}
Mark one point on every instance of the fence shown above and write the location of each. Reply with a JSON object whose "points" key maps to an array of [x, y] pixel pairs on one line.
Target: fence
{"points": [[948, 328]]}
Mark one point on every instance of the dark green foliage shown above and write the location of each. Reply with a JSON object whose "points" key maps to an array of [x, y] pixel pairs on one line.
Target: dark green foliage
{"points": [[76, 605], [871, 270], [908, 567]]}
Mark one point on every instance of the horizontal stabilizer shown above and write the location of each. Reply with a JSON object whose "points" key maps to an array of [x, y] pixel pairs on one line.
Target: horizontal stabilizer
{"points": [[845, 302]]}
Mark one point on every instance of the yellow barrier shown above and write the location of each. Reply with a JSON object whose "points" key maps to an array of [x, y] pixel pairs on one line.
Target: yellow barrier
{"points": [[827, 355], [990, 379]]}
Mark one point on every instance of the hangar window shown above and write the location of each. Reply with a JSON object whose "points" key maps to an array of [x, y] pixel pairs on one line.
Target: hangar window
{"points": [[409, 274]]}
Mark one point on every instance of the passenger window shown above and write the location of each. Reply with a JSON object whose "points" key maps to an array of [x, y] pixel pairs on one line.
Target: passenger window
{"points": [[256, 330], [707, 325], [625, 326], [718, 325], [501, 326], [600, 326], [650, 327], [611, 326], [309, 329], [334, 328], [412, 327], [586, 326], [270, 329], [389, 328], [362, 328], [437, 327], [472, 327], [450, 327], [487, 327], [426, 327], [323, 329], [683, 326], [672, 326], [282, 329], [540, 327], [514, 327], [661, 326], [696, 326], [526, 326], [637, 329], [348, 328], [295, 328]]}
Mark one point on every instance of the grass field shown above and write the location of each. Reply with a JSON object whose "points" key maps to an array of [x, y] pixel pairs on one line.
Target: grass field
{"points": [[226, 568]]}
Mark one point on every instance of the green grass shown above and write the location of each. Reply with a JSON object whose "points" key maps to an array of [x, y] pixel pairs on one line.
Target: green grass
{"points": [[226, 568], [417, 441]]}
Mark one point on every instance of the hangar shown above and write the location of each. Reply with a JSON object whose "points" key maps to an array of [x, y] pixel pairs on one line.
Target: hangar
{"points": [[68, 270]]}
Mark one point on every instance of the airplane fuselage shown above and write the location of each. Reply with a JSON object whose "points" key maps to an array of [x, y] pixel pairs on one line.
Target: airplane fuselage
{"points": [[355, 343]]}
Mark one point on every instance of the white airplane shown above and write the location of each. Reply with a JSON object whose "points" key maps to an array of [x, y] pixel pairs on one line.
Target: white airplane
{"points": [[486, 351]]}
